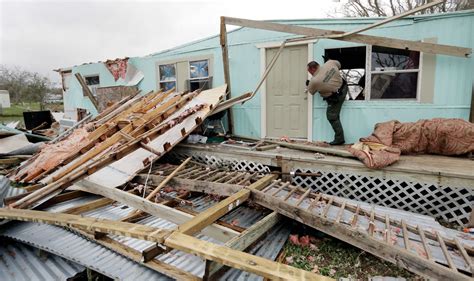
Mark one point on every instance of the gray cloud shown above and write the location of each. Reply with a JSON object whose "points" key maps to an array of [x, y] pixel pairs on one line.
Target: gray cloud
{"points": [[44, 35]]}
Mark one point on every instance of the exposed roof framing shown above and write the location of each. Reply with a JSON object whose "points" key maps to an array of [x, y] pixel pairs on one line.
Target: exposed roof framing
{"points": [[430, 48]]}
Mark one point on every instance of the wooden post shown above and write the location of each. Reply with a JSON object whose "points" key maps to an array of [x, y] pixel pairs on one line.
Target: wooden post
{"points": [[225, 62], [87, 91]]}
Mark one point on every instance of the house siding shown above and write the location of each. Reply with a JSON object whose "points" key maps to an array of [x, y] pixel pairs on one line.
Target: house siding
{"points": [[452, 88]]}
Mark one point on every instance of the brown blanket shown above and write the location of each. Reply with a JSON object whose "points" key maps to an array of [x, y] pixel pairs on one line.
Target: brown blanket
{"points": [[436, 136]]}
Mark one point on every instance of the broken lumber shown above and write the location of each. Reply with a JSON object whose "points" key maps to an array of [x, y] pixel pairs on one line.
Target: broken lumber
{"points": [[419, 46], [172, 239], [325, 150]]}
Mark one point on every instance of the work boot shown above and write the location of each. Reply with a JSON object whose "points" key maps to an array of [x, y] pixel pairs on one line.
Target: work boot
{"points": [[335, 142]]}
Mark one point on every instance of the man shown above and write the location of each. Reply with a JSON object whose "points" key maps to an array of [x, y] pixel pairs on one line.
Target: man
{"points": [[328, 82]]}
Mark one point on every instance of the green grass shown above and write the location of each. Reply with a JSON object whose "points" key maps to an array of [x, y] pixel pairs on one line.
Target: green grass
{"points": [[17, 109], [331, 257]]}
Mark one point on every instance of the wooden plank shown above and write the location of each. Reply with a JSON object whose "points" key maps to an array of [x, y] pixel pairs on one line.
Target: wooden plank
{"points": [[446, 254], [213, 213], [390, 19], [245, 239], [94, 224], [88, 206], [87, 91], [362, 240], [406, 240], [239, 260], [159, 210], [325, 150], [151, 252], [465, 255], [356, 38], [221, 189], [302, 197], [226, 65], [421, 232], [341, 212], [168, 178]]}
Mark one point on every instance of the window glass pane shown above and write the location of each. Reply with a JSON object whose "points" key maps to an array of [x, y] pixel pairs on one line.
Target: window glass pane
{"points": [[394, 86], [353, 62], [355, 79], [167, 85], [387, 59], [167, 72], [198, 69], [92, 80]]}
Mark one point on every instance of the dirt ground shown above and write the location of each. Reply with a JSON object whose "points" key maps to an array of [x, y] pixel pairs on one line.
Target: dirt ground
{"points": [[314, 251]]}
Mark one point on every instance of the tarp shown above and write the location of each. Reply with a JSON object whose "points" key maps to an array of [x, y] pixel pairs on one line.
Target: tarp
{"points": [[435, 136]]}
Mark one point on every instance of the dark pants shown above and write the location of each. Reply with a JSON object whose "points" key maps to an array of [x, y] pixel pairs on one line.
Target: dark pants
{"points": [[334, 109]]}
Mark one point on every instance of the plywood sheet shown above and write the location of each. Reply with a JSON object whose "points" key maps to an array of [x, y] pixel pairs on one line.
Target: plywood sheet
{"points": [[12, 143]]}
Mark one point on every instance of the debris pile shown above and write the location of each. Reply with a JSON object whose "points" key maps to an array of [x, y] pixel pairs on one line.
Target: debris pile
{"points": [[103, 181]]}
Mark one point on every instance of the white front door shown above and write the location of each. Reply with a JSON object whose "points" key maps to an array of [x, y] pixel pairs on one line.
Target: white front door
{"points": [[286, 101]]}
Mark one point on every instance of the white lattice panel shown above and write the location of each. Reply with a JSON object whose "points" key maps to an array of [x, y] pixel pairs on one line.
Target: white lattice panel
{"points": [[232, 164], [441, 202]]}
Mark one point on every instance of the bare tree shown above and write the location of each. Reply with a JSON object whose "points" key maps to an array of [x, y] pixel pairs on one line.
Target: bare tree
{"points": [[24, 86], [387, 8]]}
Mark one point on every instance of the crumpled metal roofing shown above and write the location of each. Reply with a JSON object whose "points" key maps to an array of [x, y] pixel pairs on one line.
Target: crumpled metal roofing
{"points": [[76, 248], [22, 262], [8, 191]]}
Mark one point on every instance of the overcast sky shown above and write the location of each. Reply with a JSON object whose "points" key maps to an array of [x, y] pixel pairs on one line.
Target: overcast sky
{"points": [[44, 35]]}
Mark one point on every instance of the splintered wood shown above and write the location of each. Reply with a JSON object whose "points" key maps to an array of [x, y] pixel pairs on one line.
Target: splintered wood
{"points": [[117, 149], [403, 238]]}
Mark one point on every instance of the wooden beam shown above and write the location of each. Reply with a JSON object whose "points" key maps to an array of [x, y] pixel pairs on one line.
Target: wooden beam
{"points": [[357, 238], [95, 204], [159, 210], [425, 47], [168, 178], [221, 189], [239, 260], [176, 240], [87, 91], [226, 66], [390, 19], [93, 224], [304, 147], [244, 240], [210, 215]]}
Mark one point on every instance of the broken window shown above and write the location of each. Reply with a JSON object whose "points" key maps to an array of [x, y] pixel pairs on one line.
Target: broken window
{"points": [[199, 75], [167, 76], [394, 73], [92, 80], [353, 64]]}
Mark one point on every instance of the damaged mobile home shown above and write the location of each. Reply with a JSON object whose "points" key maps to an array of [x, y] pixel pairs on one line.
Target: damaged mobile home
{"points": [[120, 193]]}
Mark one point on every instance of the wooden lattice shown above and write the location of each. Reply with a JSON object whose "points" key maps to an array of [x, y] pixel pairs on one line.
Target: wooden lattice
{"points": [[231, 164], [441, 202]]}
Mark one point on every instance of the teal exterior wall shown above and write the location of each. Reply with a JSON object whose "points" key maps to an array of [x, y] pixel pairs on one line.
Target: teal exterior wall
{"points": [[453, 75]]}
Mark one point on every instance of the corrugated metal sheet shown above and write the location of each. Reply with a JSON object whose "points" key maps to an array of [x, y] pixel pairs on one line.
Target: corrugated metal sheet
{"points": [[80, 250], [184, 261], [21, 262], [97, 257], [6, 190]]}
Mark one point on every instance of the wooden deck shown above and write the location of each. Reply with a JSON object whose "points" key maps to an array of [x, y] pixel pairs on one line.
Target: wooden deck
{"points": [[433, 169]]}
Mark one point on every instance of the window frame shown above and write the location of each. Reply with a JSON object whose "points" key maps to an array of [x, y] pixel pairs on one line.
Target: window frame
{"points": [[93, 87], [369, 72], [368, 75], [168, 81], [187, 61]]}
